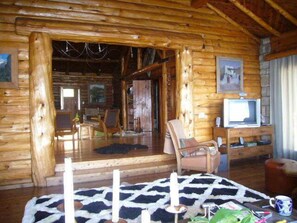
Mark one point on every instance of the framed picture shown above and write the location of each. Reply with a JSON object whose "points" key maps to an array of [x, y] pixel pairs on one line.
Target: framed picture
{"points": [[8, 68], [229, 75], [96, 93]]}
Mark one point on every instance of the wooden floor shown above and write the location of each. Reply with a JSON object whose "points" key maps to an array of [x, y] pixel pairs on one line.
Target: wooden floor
{"points": [[84, 148], [249, 172]]}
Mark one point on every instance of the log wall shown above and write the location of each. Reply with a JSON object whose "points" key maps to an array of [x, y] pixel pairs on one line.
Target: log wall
{"points": [[82, 81], [152, 23]]}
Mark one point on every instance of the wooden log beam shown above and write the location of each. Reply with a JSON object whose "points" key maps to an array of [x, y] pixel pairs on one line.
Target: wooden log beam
{"points": [[232, 22], [84, 60], [164, 105], [283, 46], [198, 3], [283, 12], [42, 108], [252, 15], [273, 56], [146, 69]]}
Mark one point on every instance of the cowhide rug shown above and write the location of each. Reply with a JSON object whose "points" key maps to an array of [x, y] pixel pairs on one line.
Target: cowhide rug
{"points": [[154, 196]]}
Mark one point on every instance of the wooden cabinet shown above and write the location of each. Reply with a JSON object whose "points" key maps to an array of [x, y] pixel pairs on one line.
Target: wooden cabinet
{"points": [[230, 135]]}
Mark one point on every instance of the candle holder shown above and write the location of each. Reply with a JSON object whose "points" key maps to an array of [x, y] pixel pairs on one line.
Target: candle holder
{"points": [[176, 210], [120, 221]]}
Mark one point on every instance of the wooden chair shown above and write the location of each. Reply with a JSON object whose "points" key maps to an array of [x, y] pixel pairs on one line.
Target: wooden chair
{"points": [[110, 124], [65, 125], [190, 154]]}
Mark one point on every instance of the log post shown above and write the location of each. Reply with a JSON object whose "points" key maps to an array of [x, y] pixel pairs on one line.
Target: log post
{"points": [[185, 88], [164, 105], [42, 109]]}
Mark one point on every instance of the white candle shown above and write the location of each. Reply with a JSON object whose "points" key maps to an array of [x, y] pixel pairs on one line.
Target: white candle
{"points": [[116, 196], [174, 189], [145, 216], [68, 192]]}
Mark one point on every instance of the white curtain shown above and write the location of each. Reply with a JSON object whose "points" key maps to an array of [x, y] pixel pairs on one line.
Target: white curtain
{"points": [[283, 88]]}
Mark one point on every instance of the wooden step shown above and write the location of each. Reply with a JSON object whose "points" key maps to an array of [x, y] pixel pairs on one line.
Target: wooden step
{"points": [[103, 170], [116, 162]]}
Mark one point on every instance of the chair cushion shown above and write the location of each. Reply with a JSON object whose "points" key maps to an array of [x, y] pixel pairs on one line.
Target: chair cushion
{"points": [[188, 142]]}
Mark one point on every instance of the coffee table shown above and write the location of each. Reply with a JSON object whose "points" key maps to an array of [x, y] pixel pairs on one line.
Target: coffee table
{"points": [[264, 205]]}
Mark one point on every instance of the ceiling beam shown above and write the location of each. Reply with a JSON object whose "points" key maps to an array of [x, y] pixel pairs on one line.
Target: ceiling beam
{"points": [[198, 3], [273, 56], [84, 60], [283, 12], [232, 22], [146, 69], [255, 17]]}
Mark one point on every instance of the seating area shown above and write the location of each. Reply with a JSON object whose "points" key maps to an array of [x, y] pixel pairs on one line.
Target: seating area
{"points": [[190, 154]]}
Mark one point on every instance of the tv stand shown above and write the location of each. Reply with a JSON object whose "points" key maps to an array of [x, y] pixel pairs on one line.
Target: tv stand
{"points": [[251, 135]]}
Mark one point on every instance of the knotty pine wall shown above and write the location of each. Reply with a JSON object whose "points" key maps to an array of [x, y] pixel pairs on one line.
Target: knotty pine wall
{"points": [[153, 23]]}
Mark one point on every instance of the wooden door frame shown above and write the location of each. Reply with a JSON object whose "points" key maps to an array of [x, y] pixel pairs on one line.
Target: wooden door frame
{"points": [[43, 163]]}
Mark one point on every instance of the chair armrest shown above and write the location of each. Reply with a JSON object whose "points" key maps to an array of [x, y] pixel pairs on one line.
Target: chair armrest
{"points": [[210, 142], [195, 149]]}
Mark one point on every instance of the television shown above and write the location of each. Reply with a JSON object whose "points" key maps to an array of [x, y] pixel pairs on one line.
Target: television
{"points": [[242, 113]]}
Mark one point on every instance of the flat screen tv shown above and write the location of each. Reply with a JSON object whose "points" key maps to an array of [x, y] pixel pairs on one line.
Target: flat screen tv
{"points": [[242, 113]]}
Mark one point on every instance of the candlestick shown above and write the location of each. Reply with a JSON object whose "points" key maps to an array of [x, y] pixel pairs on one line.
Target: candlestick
{"points": [[115, 196], [68, 191], [145, 216], [174, 196]]}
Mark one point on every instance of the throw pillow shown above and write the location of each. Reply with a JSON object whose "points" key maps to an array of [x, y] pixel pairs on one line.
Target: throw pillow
{"points": [[187, 142]]}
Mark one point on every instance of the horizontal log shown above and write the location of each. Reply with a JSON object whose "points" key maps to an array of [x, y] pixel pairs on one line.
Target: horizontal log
{"points": [[12, 136], [84, 60], [15, 165], [282, 54], [132, 11], [12, 37], [15, 174], [15, 109], [18, 45], [7, 27], [14, 92], [120, 21], [14, 101], [15, 155], [108, 34], [10, 146]]}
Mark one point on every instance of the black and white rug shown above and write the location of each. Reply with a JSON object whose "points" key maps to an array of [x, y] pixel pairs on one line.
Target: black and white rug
{"points": [[154, 196], [119, 148]]}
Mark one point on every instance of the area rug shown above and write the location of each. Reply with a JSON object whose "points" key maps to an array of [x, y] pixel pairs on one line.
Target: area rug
{"points": [[194, 190], [117, 148]]}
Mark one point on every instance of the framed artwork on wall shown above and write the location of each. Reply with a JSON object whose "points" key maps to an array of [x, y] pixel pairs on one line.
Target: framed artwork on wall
{"points": [[96, 93], [229, 75], [8, 68]]}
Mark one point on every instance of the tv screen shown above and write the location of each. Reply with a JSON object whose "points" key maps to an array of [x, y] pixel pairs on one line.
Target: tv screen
{"points": [[242, 113]]}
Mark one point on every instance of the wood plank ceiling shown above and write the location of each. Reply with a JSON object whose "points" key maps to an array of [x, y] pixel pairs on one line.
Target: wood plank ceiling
{"points": [[275, 19]]}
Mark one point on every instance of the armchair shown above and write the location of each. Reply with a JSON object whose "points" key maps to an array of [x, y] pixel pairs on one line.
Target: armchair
{"points": [[110, 123], [65, 125], [190, 154]]}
